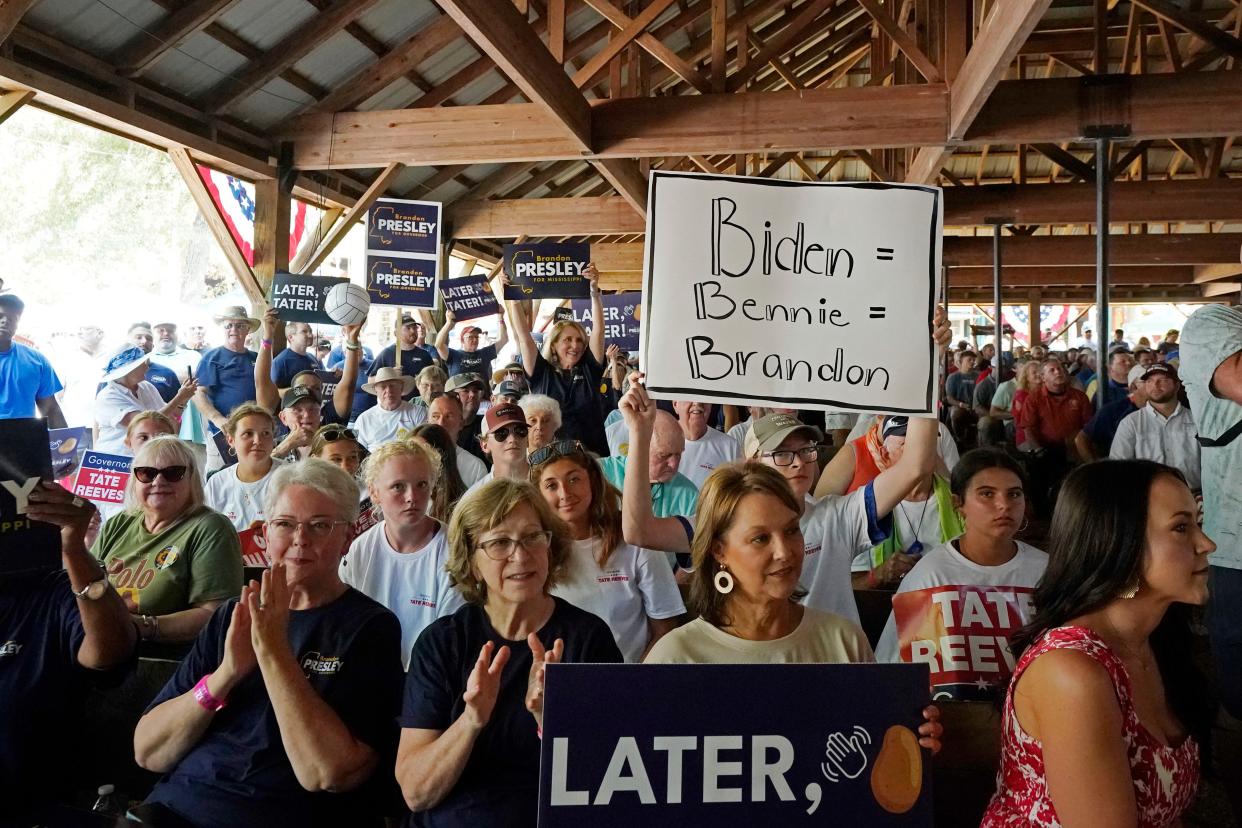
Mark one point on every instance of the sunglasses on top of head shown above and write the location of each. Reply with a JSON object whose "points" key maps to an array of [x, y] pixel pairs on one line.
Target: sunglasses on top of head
{"points": [[147, 474], [560, 448]]}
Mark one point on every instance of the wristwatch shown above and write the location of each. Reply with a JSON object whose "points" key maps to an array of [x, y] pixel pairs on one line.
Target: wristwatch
{"points": [[94, 590]]}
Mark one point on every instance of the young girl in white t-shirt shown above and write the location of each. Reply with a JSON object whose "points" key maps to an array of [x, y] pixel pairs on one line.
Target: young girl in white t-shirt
{"points": [[238, 491]]}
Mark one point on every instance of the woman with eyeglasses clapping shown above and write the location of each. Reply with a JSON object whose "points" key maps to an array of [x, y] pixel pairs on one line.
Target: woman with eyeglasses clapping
{"points": [[630, 587], [473, 710], [170, 557]]}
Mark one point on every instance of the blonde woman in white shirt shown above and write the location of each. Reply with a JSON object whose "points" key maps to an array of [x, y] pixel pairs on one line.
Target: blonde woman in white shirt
{"points": [[238, 491], [400, 561]]}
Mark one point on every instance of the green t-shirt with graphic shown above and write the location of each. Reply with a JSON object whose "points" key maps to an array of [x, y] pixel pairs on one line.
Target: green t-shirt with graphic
{"points": [[196, 559]]}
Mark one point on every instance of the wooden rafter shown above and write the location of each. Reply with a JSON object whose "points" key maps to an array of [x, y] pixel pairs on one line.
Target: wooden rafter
{"points": [[1064, 158], [917, 57], [339, 230], [284, 54], [12, 101], [996, 45], [11, 13], [148, 45], [1219, 38], [636, 27], [653, 46], [781, 43]]}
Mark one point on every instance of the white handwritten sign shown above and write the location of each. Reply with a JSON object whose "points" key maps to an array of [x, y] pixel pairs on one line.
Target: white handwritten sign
{"points": [[790, 293]]}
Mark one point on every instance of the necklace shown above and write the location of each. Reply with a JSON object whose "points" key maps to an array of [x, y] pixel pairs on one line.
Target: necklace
{"points": [[916, 547], [1135, 656]]}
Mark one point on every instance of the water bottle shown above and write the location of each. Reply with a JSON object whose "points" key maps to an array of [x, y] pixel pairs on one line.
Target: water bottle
{"points": [[109, 802]]}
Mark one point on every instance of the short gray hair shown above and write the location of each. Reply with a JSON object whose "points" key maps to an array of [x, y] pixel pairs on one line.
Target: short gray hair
{"points": [[166, 450], [541, 404], [328, 479]]}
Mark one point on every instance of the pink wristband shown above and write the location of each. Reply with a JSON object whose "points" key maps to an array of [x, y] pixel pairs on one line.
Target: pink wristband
{"points": [[204, 698]]}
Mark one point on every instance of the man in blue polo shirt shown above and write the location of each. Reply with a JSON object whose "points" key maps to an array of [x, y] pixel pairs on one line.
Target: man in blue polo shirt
{"points": [[27, 380], [226, 374]]}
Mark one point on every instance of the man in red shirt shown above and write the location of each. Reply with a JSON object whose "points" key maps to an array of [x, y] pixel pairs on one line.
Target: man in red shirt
{"points": [[1054, 412]]}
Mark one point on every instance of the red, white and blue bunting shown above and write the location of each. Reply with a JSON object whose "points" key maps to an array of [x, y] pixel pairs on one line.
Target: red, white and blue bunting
{"points": [[235, 199]]}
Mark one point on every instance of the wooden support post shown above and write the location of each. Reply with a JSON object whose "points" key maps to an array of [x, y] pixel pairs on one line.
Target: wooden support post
{"points": [[272, 204], [1034, 307]]}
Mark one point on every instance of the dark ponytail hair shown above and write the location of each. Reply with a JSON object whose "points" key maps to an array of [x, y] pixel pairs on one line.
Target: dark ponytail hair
{"points": [[1096, 547]]}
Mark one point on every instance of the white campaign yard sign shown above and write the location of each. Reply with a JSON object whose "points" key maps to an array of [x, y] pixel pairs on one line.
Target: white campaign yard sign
{"points": [[787, 293]]}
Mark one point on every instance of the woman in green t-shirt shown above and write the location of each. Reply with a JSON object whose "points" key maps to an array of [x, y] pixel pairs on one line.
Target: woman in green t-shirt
{"points": [[170, 557]]}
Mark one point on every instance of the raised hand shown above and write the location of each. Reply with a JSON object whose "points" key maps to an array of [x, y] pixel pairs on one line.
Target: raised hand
{"points": [[931, 730], [942, 333], [592, 275], [637, 409], [269, 612], [239, 658], [540, 659], [270, 320], [483, 685], [450, 318]]}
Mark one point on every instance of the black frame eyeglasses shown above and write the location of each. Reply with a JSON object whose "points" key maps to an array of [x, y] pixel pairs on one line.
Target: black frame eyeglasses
{"points": [[807, 454]]}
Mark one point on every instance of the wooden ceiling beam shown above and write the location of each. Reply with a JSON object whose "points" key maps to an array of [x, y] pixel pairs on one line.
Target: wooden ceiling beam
{"points": [[342, 227], [11, 101], [598, 63], [403, 59], [501, 32], [499, 219], [1064, 158], [996, 45], [1124, 249], [1069, 276], [305, 39], [918, 59], [777, 45], [149, 44], [11, 13], [653, 46], [1219, 38]]}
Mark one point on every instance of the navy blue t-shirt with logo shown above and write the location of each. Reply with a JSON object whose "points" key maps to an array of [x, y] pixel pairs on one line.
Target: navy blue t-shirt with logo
{"points": [[499, 786], [578, 391], [479, 361], [288, 363], [227, 377], [238, 773], [164, 379]]}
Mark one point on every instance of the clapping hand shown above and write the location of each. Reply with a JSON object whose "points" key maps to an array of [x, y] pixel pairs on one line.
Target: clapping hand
{"points": [[269, 612], [239, 658], [540, 659], [483, 685]]}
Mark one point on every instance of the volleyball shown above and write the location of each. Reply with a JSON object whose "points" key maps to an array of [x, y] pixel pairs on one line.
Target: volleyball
{"points": [[347, 304]]}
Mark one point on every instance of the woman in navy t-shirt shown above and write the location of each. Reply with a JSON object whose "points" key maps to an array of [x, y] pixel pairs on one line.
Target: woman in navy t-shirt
{"points": [[473, 711]]}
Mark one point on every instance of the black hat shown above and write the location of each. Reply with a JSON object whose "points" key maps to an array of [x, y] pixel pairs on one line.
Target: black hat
{"points": [[895, 427], [12, 302], [296, 395]]}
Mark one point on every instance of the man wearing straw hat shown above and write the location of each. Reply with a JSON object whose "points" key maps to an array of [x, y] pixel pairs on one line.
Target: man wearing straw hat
{"points": [[392, 418], [226, 375]]}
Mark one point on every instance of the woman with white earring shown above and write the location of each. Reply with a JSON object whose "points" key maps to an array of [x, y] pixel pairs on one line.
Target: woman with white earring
{"points": [[985, 567]]}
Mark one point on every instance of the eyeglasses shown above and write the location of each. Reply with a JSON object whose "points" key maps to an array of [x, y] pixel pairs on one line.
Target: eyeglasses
{"points": [[331, 435], [147, 474], [504, 432], [560, 448], [500, 549], [785, 457], [318, 528], [228, 326]]}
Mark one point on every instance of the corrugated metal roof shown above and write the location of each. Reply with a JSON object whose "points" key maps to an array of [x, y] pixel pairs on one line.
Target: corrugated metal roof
{"points": [[95, 26], [195, 66], [267, 22], [273, 103], [335, 61]]}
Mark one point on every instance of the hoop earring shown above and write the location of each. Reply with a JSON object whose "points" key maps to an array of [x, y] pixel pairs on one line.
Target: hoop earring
{"points": [[232, 452], [723, 581], [1026, 521], [1130, 591]]}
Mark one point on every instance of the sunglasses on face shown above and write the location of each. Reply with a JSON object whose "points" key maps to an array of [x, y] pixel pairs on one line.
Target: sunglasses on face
{"points": [[147, 474], [503, 433], [560, 448]]}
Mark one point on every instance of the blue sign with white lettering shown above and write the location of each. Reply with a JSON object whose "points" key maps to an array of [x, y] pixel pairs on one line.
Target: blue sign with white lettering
{"points": [[622, 317], [715, 744], [397, 226], [399, 281], [547, 270]]}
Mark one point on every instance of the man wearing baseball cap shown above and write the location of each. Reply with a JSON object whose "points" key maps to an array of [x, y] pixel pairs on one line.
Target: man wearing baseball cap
{"points": [[169, 353], [300, 412], [471, 358], [468, 388], [27, 380], [1163, 430], [506, 392], [504, 442], [1096, 438]]}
